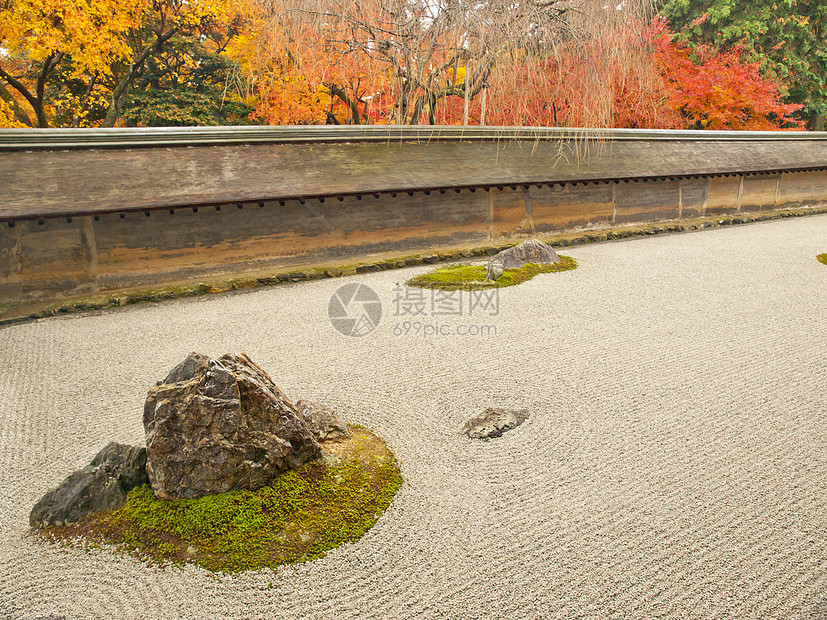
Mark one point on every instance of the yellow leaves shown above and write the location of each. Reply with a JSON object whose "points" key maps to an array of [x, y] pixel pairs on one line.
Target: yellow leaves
{"points": [[7, 116], [239, 47], [95, 33], [194, 13], [241, 50], [70, 108], [292, 99], [460, 77], [90, 31]]}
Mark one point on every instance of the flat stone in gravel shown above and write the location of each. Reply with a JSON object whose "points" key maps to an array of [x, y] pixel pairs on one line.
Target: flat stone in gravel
{"points": [[493, 422]]}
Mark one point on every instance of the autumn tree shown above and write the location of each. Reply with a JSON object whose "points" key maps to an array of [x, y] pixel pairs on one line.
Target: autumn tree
{"points": [[411, 61], [714, 89], [191, 82], [98, 48], [207, 20], [40, 36], [788, 38]]}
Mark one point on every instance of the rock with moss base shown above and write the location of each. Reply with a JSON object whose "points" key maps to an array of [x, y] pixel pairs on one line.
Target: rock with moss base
{"points": [[493, 422], [494, 270], [216, 425], [101, 485], [323, 422], [533, 251]]}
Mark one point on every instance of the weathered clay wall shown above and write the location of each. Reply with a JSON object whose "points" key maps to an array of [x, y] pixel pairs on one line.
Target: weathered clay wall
{"points": [[126, 176], [55, 257]]}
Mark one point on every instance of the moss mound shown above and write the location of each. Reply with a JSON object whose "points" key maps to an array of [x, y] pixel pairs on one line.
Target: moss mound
{"points": [[822, 258], [305, 513], [471, 277]]}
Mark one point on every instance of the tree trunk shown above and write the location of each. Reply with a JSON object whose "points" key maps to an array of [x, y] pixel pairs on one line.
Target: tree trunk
{"points": [[817, 122], [465, 107], [120, 91], [482, 106], [353, 105], [85, 101], [36, 100], [19, 115]]}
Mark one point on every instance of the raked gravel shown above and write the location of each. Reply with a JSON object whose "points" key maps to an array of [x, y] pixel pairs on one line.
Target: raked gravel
{"points": [[674, 464]]}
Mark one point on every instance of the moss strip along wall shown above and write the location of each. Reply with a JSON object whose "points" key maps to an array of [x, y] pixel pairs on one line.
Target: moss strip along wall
{"points": [[88, 220]]}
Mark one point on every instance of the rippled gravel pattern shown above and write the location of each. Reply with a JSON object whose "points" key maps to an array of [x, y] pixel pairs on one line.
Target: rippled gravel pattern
{"points": [[674, 464]]}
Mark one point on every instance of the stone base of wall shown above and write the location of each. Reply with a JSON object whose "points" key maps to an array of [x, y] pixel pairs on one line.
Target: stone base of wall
{"points": [[41, 261], [87, 297]]}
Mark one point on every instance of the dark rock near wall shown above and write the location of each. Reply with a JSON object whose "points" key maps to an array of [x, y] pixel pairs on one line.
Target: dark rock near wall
{"points": [[533, 251], [101, 485], [216, 425]]}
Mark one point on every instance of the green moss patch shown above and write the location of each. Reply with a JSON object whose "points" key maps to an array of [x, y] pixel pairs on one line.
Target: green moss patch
{"points": [[822, 258], [301, 516], [472, 277]]}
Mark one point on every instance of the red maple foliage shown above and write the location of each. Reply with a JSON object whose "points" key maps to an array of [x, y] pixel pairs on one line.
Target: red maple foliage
{"points": [[718, 89], [656, 82]]}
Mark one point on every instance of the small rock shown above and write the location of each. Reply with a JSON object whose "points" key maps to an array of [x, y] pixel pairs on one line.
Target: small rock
{"points": [[247, 283], [219, 287], [101, 485], [493, 422], [494, 270], [332, 460], [533, 251], [367, 268], [322, 421]]}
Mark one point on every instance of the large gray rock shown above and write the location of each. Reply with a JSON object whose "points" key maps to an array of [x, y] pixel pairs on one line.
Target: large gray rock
{"points": [[216, 425], [323, 422], [101, 485], [533, 251], [493, 422]]}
